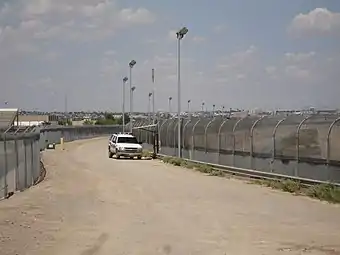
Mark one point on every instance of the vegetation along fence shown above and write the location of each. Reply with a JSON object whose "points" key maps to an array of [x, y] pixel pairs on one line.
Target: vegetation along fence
{"points": [[20, 153], [295, 145]]}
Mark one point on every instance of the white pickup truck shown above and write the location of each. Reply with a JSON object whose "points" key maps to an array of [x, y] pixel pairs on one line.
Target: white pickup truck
{"points": [[124, 145]]}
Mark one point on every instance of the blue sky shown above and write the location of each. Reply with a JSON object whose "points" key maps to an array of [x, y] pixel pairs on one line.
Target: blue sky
{"points": [[246, 54]]}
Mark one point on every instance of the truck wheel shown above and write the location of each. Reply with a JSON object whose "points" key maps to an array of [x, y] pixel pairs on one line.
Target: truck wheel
{"points": [[110, 154]]}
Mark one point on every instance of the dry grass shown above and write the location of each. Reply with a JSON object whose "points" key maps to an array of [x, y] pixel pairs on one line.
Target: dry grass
{"points": [[325, 192]]}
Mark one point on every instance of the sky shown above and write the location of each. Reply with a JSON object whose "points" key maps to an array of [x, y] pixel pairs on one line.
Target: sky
{"points": [[266, 54]]}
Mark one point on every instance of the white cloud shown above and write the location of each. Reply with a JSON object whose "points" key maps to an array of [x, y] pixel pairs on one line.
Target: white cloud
{"points": [[319, 21], [172, 34], [74, 20], [297, 72], [110, 53], [219, 29], [42, 83], [299, 57], [239, 62], [270, 70], [199, 39], [139, 16], [52, 55]]}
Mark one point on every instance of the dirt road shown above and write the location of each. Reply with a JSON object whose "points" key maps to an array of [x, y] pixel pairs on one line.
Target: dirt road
{"points": [[92, 205]]}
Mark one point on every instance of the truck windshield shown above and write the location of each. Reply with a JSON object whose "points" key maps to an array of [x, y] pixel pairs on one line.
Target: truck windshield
{"points": [[127, 140]]}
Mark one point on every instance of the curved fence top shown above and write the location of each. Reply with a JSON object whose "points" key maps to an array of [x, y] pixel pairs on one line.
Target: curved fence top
{"points": [[60, 128], [20, 136]]}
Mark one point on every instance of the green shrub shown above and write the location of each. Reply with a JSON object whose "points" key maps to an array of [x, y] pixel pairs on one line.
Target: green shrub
{"points": [[291, 186], [327, 192]]}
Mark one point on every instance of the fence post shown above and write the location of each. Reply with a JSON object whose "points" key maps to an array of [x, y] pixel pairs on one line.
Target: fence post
{"points": [[184, 133], [25, 156], [205, 135], [328, 146], [274, 142], [32, 162], [328, 152], [167, 139], [160, 134], [252, 141], [193, 139], [234, 138], [296, 172], [219, 140], [16, 163], [5, 167], [175, 140]]}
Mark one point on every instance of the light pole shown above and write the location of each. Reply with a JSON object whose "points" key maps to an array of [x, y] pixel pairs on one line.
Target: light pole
{"points": [[222, 110], [203, 106], [180, 35], [189, 115], [131, 65], [149, 103], [125, 79], [131, 118], [170, 99], [153, 96], [213, 110]]}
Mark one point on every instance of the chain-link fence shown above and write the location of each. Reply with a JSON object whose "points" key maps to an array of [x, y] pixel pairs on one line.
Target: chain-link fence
{"points": [[20, 153], [295, 145]]}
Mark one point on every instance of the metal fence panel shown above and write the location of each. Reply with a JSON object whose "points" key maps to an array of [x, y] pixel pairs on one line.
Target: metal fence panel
{"points": [[11, 165], [212, 134], [242, 134], [334, 142], [170, 133], [28, 162], [199, 133], [21, 172], [285, 137], [36, 160], [20, 152], [3, 184], [263, 135], [313, 136], [227, 136]]}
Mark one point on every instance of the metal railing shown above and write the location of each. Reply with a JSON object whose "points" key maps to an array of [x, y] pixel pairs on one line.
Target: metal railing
{"points": [[295, 145], [20, 153]]}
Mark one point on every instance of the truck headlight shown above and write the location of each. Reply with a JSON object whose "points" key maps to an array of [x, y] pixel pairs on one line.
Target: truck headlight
{"points": [[121, 148], [140, 149]]}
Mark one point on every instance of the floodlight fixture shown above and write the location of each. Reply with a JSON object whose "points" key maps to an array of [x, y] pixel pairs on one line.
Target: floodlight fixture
{"points": [[133, 88], [125, 79], [132, 63], [181, 33]]}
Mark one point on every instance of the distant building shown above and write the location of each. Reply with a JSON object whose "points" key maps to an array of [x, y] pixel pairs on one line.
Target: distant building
{"points": [[36, 119]]}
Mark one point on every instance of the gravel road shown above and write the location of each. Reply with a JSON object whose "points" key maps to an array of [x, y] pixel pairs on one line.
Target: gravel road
{"points": [[92, 205]]}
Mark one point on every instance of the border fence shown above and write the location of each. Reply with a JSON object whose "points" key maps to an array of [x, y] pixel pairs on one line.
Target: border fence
{"points": [[295, 145], [20, 153]]}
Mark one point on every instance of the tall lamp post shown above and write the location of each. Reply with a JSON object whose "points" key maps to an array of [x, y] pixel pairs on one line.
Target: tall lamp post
{"points": [[213, 110], [131, 65], [153, 96], [125, 79], [131, 118], [170, 99], [180, 35], [149, 106], [203, 106], [189, 114]]}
